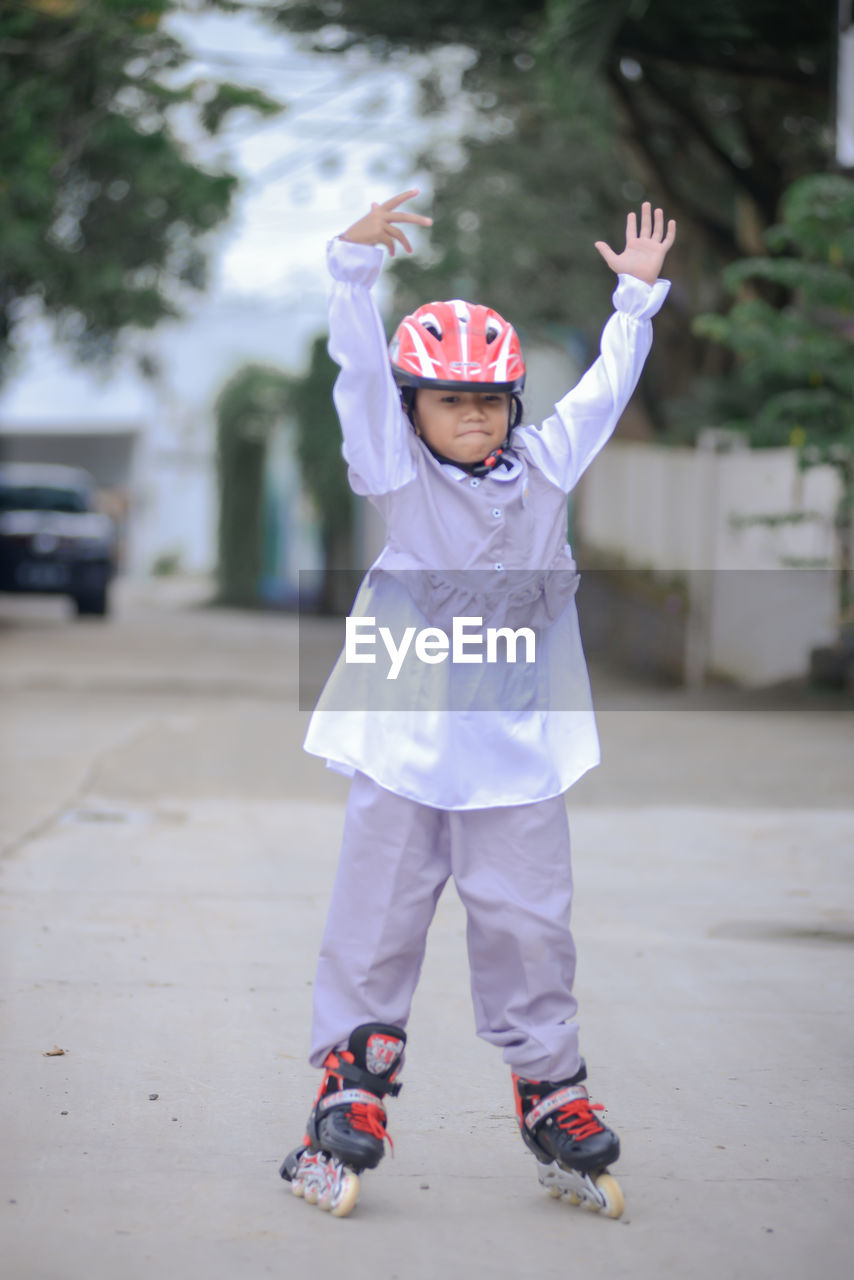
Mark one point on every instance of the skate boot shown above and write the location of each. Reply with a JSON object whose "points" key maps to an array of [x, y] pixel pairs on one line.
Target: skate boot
{"points": [[346, 1129], [572, 1146]]}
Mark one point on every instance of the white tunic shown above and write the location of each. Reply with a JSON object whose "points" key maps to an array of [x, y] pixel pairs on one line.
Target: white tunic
{"points": [[451, 736]]}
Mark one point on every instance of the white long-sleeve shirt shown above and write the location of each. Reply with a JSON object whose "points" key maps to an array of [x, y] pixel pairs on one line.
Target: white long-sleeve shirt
{"points": [[459, 737]]}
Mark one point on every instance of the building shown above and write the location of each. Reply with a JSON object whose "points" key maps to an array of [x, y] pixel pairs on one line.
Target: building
{"points": [[145, 426]]}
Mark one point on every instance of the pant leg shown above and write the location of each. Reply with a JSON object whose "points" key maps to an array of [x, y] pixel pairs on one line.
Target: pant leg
{"points": [[393, 865], [513, 873]]}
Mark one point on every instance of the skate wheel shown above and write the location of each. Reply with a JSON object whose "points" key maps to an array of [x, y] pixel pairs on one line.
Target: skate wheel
{"points": [[573, 1198], [614, 1201], [344, 1201]]}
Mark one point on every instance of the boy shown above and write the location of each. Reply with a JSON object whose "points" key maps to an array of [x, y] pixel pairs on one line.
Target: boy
{"points": [[475, 510]]}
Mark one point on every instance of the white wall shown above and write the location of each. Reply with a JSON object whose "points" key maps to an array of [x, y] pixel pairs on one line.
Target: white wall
{"points": [[762, 594]]}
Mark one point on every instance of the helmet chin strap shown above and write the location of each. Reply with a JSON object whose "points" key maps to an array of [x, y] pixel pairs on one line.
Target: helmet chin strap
{"points": [[497, 458], [492, 461]]}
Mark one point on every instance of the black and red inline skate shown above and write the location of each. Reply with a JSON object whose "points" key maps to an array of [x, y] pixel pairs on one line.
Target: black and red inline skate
{"points": [[573, 1147], [346, 1130]]}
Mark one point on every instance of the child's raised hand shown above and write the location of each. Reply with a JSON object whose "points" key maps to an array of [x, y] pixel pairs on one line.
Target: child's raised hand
{"points": [[378, 226], [644, 254]]}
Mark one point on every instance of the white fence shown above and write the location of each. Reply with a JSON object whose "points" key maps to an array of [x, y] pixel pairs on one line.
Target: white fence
{"points": [[748, 532]]}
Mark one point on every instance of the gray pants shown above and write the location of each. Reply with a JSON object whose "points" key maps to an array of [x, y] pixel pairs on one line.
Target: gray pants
{"points": [[511, 866]]}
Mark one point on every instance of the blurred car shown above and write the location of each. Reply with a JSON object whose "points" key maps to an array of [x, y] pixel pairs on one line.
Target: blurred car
{"points": [[52, 540]]}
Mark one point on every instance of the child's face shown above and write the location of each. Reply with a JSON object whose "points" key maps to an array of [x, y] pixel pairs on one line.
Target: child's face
{"points": [[462, 425]]}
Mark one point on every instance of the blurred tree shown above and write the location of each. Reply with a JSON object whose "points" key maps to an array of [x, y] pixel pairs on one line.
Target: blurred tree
{"points": [[585, 107], [504, 234], [799, 356], [324, 474], [246, 411], [100, 208], [723, 102]]}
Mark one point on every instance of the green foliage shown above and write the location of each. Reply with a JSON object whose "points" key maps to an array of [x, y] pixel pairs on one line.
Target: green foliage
{"points": [[800, 352], [817, 221], [100, 209], [323, 470], [246, 411], [410, 24], [817, 283], [230, 97], [735, 89]]}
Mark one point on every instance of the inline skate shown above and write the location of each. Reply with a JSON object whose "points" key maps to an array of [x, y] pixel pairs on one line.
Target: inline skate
{"points": [[572, 1146], [346, 1131]]}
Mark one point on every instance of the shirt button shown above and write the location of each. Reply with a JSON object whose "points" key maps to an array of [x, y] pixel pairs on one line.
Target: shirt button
{"points": [[474, 482], [497, 512], [499, 565]]}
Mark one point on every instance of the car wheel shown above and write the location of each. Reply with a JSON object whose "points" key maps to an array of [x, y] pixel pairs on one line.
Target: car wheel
{"points": [[92, 603]]}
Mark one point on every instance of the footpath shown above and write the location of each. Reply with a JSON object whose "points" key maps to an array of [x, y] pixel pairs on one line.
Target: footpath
{"points": [[167, 852]]}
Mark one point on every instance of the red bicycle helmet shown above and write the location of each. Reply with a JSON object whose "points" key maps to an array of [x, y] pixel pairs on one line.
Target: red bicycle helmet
{"points": [[459, 346]]}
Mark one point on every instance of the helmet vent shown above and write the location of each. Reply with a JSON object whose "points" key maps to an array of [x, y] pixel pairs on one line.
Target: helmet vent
{"points": [[492, 331], [431, 324]]}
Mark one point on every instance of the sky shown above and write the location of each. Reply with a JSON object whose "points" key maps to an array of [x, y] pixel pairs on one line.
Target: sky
{"points": [[350, 135]]}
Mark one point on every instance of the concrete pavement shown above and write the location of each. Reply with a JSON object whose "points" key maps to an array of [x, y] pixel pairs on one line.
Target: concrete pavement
{"points": [[168, 853]]}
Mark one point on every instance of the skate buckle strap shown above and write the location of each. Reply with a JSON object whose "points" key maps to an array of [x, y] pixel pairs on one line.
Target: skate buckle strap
{"points": [[554, 1102], [355, 1075], [346, 1097]]}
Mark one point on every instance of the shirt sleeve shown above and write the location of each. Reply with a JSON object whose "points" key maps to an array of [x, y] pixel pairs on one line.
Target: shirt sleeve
{"points": [[568, 441], [376, 444]]}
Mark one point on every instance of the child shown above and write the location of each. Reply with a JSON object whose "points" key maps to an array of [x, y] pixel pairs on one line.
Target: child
{"points": [[461, 775]]}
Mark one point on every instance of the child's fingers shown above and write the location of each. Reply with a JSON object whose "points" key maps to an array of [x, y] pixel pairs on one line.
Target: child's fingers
{"points": [[399, 199], [658, 228], [398, 235], [607, 253], [646, 219], [631, 228], [412, 217], [671, 235]]}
